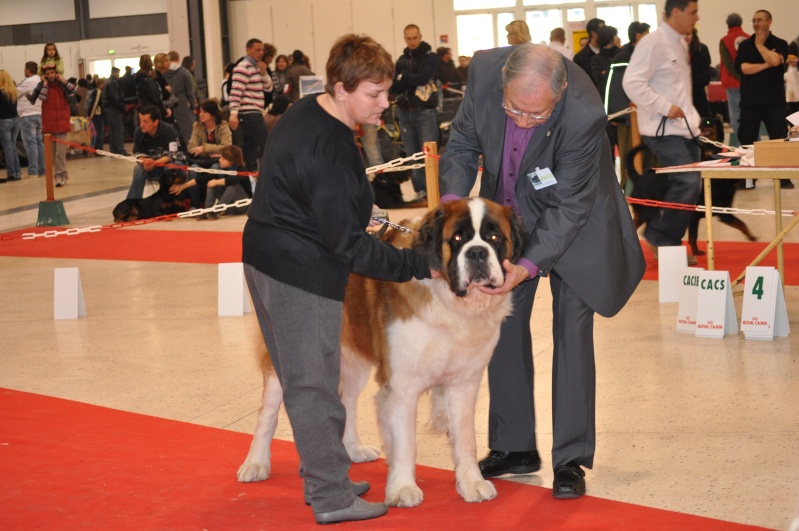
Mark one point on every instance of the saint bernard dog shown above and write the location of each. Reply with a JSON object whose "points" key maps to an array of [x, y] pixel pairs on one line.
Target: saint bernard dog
{"points": [[433, 335]]}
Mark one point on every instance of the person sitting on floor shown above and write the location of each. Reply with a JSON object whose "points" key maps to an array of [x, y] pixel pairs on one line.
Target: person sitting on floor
{"points": [[226, 189], [153, 143], [209, 135]]}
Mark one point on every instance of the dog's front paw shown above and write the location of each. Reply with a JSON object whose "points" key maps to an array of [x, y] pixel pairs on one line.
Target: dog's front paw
{"points": [[477, 491], [363, 453], [407, 496], [249, 472]]}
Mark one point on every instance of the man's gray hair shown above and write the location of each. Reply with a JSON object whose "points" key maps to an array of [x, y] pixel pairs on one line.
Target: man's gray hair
{"points": [[534, 64]]}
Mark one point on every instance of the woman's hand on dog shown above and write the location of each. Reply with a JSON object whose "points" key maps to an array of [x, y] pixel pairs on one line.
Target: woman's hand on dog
{"points": [[514, 275]]}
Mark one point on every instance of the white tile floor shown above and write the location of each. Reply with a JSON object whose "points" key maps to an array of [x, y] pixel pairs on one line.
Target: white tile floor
{"points": [[703, 426]]}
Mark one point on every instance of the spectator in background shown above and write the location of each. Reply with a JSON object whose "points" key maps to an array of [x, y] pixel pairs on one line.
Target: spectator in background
{"points": [[94, 111], [463, 65], [609, 45], [189, 64], [9, 126], [51, 56], [761, 62], [81, 92], [224, 189], [280, 79], [54, 92], [417, 98], [448, 73], [247, 104], [730, 78], [518, 32], [297, 68], [700, 73], [153, 143], [269, 87], [127, 85], [557, 42], [113, 109], [30, 120], [584, 42], [618, 100], [179, 78], [148, 92], [583, 57], [658, 81]]}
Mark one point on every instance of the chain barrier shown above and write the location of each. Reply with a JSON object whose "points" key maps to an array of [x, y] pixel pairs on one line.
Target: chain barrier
{"points": [[393, 165], [168, 165], [714, 210]]}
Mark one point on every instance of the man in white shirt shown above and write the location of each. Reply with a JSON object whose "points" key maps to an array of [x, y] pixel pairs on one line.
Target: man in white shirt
{"points": [[658, 81], [30, 120], [557, 42]]}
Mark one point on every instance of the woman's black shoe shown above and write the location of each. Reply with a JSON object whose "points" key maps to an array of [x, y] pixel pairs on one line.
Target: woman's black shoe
{"points": [[498, 463]]}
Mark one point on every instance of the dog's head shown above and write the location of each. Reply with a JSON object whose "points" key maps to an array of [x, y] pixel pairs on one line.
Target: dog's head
{"points": [[127, 210], [467, 240]]}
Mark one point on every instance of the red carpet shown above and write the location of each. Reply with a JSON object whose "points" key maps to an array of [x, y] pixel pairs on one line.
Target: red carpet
{"points": [[218, 247], [68, 465]]}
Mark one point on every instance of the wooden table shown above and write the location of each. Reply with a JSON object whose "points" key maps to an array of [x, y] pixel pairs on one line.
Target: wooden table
{"points": [[744, 172]]}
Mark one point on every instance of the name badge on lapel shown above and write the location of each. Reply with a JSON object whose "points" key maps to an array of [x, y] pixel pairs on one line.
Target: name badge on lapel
{"points": [[541, 178]]}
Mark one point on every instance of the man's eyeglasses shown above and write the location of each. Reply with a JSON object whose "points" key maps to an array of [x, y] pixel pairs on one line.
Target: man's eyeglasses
{"points": [[521, 114]]}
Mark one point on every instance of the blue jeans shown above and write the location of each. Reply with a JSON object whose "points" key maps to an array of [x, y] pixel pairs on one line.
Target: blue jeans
{"points": [[734, 107], [116, 130], [9, 130], [140, 178], [31, 127], [668, 226], [417, 126]]}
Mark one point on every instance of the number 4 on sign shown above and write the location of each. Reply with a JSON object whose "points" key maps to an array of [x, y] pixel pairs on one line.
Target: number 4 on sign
{"points": [[764, 313]]}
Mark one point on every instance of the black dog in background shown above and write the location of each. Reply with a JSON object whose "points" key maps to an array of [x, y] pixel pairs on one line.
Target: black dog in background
{"points": [[649, 185], [158, 204]]}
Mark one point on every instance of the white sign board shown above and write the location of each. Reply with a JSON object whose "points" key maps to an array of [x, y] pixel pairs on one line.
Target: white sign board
{"points": [[689, 296], [671, 262], [715, 310], [764, 314]]}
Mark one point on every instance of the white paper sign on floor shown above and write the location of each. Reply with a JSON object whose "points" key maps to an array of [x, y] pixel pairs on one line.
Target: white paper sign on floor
{"points": [[689, 296], [671, 261], [715, 310], [764, 313], [68, 300], [232, 290]]}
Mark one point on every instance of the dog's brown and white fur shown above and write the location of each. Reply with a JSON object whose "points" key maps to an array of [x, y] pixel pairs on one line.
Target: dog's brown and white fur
{"points": [[434, 334]]}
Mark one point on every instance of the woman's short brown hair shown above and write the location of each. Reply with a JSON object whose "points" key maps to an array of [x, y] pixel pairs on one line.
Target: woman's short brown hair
{"points": [[356, 58]]}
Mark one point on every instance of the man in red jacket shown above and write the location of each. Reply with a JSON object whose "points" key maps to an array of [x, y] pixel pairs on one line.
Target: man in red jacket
{"points": [[54, 91], [730, 79]]}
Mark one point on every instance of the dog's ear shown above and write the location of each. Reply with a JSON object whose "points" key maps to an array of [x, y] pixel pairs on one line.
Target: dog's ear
{"points": [[428, 240], [518, 236]]}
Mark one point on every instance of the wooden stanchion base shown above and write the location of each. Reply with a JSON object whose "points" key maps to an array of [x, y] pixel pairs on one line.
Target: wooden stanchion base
{"points": [[52, 214]]}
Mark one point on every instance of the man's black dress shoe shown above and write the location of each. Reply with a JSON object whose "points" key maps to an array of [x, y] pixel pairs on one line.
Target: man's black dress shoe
{"points": [[498, 463], [569, 481]]}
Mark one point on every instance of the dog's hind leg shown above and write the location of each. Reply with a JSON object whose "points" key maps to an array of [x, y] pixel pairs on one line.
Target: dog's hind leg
{"points": [[460, 404], [737, 223], [396, 409], [256, 466], [355, 372]]}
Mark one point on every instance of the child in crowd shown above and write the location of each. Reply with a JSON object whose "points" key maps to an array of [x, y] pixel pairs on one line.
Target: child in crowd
{"points": [[51, 57], [226, 189]]}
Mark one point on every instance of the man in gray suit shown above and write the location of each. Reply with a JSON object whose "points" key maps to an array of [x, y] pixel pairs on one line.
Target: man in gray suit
{"points": [[540, 125]]}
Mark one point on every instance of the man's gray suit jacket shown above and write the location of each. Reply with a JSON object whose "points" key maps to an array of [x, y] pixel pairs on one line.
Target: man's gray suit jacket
{"points": [[580, 227]]}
